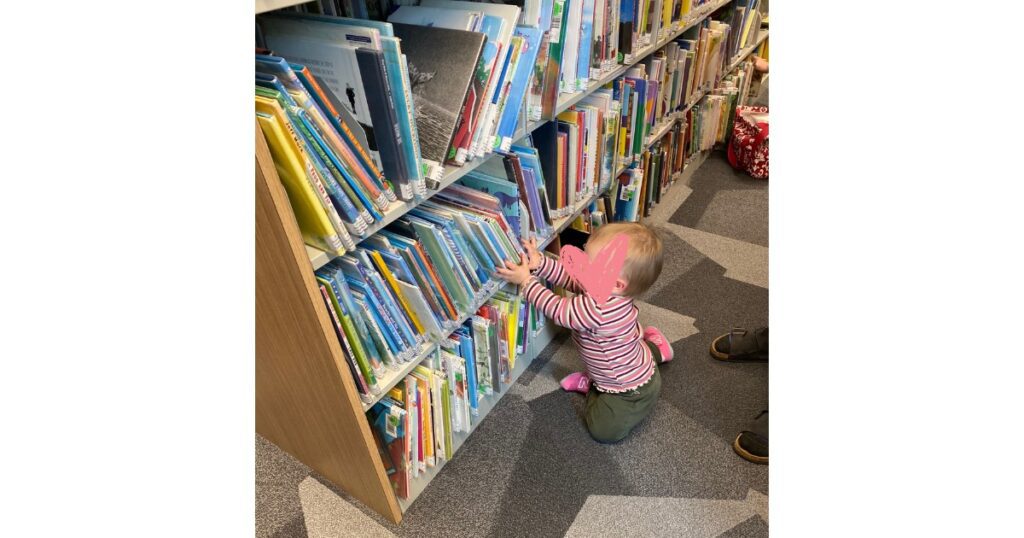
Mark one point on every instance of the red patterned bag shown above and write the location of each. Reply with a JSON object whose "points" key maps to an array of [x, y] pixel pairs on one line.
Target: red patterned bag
{"points": [[748, 147]]}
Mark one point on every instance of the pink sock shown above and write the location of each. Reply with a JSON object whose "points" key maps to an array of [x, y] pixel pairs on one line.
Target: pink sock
{"points": [[654, 336], [576, 382]]}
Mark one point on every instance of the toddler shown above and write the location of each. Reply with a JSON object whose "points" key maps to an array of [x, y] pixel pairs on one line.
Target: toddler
{"points": [[621, 379]]}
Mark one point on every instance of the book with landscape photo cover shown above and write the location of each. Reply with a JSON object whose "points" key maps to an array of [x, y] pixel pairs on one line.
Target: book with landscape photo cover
{"points": [[441, 68]]}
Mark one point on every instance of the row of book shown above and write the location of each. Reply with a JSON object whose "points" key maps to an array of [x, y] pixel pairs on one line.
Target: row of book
{"points": [[703, 124], [374, 109], [412, 284], [414, 424], [745, 18]]}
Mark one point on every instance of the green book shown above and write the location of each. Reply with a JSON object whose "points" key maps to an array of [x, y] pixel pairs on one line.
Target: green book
{"points": [[351, 342], [443, 266], [446, 405]]}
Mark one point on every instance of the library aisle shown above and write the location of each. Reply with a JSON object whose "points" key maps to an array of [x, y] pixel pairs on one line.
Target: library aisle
{"points": [[534, 471]]}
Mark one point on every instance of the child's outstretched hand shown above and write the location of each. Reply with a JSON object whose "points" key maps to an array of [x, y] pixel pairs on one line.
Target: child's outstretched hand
{"points": [[515, 273], [530, 246]]}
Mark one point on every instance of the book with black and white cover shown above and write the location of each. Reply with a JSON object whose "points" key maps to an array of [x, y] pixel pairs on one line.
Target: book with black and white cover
{"points": [[442, 64]]}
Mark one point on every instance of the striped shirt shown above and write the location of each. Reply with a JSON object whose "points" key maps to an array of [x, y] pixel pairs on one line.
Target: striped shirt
{"points": [[609, 336]]}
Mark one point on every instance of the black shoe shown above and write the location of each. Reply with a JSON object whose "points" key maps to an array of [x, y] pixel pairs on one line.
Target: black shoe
{"points": [[753, 445], [741, 345]]}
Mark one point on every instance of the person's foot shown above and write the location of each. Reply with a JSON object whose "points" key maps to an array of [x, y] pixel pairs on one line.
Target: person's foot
{"points": [[576, 382], [654, 336], [752, 444], [741, 345], [751, 447]]}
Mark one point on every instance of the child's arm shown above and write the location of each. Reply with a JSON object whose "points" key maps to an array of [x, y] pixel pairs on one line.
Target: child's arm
{"points": [[577, 313], [551, 270]]}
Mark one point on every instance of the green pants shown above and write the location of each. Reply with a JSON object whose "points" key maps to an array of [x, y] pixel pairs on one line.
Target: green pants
{"points": [[610, 417]]}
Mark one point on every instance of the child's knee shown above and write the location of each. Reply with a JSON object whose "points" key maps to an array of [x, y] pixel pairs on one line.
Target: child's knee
{"points": [[604, 433]]}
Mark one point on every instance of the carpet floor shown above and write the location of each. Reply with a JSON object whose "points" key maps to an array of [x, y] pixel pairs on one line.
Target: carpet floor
{"points": [[531, 469]]}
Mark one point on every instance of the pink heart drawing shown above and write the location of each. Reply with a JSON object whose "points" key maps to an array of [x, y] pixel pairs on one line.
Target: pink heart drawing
{"points": [[598, 276]]}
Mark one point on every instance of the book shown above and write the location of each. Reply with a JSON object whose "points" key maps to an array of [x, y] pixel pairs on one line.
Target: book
{"points": [[439, 82], [328, 50], [318, 220]]}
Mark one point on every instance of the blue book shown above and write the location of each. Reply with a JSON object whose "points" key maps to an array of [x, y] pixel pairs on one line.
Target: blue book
{"points": [[520, 84], [378, 318], [487, 240], [466, 351], [399, 81], [348, 308], [419, 266], [386, 297], [458, 248], [274, 83], [469, 236], [586, 42], [359, 281], [455, 283], [358, 197], [346, 209], [626, 9], [507, 193]]}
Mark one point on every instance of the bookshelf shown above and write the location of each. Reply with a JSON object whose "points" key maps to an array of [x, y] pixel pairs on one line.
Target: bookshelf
{"points": [[394, 376], [306, 399], [743, 54], [452, 173]]}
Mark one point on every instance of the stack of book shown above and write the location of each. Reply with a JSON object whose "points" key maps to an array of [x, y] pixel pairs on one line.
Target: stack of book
{"points": [[415, 422], [746, 20], [412, 284], [705, 123], [333, 184]]}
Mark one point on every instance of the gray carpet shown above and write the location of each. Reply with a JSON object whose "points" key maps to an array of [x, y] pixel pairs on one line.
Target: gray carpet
{"points": [[531, 469], [728, 203]]}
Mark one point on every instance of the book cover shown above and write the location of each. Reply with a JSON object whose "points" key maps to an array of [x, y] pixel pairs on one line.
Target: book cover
{"points": [[440, 82], [519, 85], [318, 219]]}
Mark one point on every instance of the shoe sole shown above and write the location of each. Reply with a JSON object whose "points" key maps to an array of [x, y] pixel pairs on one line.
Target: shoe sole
{"points": [[753, 458], [663, 359], [725, 357]]}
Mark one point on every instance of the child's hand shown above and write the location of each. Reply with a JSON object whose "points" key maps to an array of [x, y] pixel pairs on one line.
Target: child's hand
{"points": [[535, 257], [516, 274]]}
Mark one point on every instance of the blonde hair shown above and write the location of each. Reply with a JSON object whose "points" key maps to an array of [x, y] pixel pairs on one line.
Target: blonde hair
{"points": [[643, 259]]}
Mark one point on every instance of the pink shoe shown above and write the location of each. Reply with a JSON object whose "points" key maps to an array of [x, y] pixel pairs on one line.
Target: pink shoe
{"points": [[654, 336], [576, 382]]}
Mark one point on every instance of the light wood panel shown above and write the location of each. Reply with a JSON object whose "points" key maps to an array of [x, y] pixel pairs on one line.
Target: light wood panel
{"points": [[306, 399]]}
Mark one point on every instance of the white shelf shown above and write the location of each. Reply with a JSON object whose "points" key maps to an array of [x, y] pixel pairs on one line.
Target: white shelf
{"points": [[487, 403], [661, 129], [452, 173]]}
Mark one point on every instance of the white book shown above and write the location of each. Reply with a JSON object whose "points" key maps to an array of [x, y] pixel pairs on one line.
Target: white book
{"points": [[571, 47]]}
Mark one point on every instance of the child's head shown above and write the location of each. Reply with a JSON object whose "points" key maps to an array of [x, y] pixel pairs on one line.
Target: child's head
{"points": [[643, 260]]}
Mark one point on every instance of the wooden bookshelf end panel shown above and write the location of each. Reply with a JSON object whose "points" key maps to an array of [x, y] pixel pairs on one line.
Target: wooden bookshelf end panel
{"points": [[306, 400]]}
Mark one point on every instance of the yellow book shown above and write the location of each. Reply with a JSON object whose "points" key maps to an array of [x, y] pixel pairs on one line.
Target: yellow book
{"points": [[422, 377], [385, 271], [314, 223], [746, 27], [666, 13], [273, 108], [687, 5]]}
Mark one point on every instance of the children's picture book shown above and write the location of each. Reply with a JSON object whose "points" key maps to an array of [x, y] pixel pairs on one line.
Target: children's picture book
{"points": [[441, 66]]}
